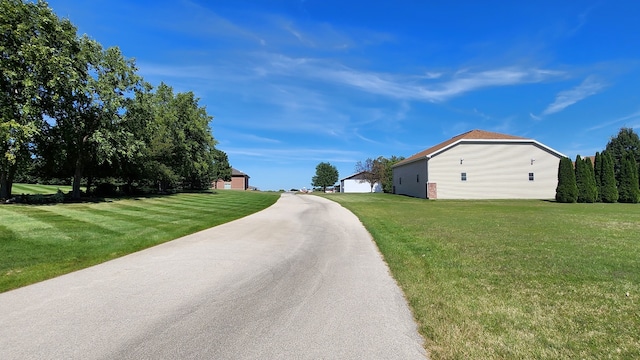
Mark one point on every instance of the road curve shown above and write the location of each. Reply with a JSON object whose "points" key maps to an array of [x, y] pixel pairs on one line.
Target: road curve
{"points": [[299, 280]]}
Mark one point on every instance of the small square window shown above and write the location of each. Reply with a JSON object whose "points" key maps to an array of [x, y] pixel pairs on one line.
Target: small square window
{"points": [[463, 176], [530, 176]]}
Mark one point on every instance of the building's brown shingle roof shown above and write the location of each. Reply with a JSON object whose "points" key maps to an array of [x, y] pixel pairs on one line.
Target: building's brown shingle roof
{"points": [[236, 172], [469, 135]]}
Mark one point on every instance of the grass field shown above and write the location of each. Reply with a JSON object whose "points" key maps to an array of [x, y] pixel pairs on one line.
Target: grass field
{"points": [[18, 189], [38, 242], [513, 279]]}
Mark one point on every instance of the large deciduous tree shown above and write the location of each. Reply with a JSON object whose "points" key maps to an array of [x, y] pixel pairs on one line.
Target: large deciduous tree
{"points": [[90, 126], [35, 48], [387, 177], [326, 175], [181, 150]]}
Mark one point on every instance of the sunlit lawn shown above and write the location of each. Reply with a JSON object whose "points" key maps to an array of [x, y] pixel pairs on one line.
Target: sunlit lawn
{"points": [[18, 189], [38, 242], [513, 279]]}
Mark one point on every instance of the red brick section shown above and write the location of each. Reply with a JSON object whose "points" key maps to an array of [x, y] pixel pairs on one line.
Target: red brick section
{"points": [[432, 191], [470, 135]]}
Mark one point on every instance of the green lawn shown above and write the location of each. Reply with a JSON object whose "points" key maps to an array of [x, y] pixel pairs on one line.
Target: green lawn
{"points": [[38, 242], [513, 279], [18, 189]]}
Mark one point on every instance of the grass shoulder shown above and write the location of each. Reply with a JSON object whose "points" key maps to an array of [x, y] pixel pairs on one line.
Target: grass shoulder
{"points": [[38, 242]]}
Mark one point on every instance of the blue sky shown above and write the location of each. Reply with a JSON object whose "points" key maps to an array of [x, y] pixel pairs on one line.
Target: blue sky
{"points": [[294, 83]]}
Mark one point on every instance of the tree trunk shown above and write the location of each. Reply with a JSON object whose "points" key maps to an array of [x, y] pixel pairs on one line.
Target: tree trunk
{"points": [[77, 177], [4, 191], [6, 181]]}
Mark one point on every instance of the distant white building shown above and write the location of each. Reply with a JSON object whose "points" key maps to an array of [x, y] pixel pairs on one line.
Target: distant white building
{"points": [[357, 184], [480, 165]]}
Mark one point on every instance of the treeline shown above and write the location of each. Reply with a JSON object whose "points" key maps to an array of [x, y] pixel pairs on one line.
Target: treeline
{"points": [[614, 175], [71, 109]]}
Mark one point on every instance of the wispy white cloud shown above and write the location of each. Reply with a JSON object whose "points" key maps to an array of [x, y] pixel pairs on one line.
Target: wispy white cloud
{"points": [[535, 117], [631, 117], [406, 87], [582, 20], [590, 86], [432, 75], [296, 154]]}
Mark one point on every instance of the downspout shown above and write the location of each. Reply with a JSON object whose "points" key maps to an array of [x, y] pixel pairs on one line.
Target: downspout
{"points": [[426, 165]]}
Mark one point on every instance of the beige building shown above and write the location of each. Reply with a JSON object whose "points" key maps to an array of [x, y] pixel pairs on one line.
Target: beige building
{"points": [[480, 165]]}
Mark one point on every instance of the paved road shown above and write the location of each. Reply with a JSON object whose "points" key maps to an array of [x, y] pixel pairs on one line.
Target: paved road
{"points": [[299, 280]]}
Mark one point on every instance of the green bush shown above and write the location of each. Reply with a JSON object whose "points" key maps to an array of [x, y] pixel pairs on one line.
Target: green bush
{"points": [[58, 197]]}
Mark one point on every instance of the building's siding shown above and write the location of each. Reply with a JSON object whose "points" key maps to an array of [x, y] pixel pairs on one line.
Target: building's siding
{"points": [[494, 171], [411, 179], [356, 186], [236, 183]]}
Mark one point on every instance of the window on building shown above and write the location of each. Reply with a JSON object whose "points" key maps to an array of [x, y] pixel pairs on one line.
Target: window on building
{"points": [[417, 177], [463, 176], [400, 181], [530, 176]]}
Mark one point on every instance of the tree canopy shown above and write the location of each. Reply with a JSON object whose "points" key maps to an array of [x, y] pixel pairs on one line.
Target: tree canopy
{"points": [[35, 52], [71, 109], [625, 141], [326, 175]]}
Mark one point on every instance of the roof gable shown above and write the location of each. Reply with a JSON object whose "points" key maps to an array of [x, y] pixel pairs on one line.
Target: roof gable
{"points": [[236, 172], [480, 135], [356, 176]]}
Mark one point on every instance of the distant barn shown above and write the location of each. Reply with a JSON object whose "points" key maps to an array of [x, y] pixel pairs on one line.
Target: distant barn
{"points": [[480, 165], [356, 184]]}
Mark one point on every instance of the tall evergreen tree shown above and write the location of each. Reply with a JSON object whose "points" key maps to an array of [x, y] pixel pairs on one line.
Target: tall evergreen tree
{"points": [[628, 189], [583, 182], [590, 192], [567, 190], [597, 172], [626, 140], [608, 191]]}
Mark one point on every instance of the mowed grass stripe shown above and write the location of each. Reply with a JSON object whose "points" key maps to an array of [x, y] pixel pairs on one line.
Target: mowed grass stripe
{"points": [[90, 214], [18, 189], [23, 222], [40, 242], [77, 228], [137, 216]]}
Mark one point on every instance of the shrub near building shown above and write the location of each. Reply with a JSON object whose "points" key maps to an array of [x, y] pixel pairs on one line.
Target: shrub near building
{"points": [[567, 190]]}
